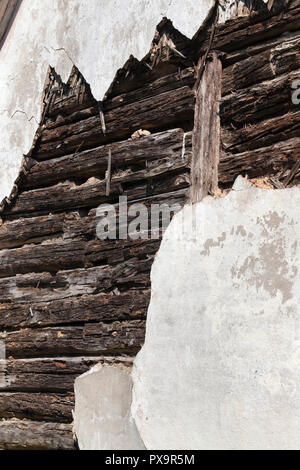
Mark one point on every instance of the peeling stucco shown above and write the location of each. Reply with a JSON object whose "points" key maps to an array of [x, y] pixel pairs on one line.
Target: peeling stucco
{"points": [[220, 364]]}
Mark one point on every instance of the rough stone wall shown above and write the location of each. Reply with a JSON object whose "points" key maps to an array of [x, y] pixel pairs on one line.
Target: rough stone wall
{"points": [[96, 35]]}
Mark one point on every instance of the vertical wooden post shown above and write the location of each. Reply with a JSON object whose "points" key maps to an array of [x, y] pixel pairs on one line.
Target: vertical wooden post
{"points": [[207, 131]]}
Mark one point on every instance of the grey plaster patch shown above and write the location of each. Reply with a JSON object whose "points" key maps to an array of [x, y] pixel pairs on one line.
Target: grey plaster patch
{"points": [[220, 364], [102, 419], [241, 184]]}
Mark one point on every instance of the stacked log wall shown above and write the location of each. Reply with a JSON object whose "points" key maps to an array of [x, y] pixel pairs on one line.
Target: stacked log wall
{"points": [[70, 300]]}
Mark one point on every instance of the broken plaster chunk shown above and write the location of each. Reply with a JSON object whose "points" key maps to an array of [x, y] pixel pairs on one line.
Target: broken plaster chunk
{"points": [[102, 419], [220, 365], [140, 133], [241, 184]]}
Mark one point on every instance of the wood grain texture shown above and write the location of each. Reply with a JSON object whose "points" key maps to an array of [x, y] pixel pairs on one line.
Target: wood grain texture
{"points": [[206, 134], [237, 34], [45, 287], [55, 375], [107, 306], [60, 256], [32, 230], [31, 435], [262, 134], [94, 162], [70, 300], [273, 62], [168, 174], [37, 406], [8, 10], [265, 161], [114, 338], [153, 114], [167, 82], [265, 100]]}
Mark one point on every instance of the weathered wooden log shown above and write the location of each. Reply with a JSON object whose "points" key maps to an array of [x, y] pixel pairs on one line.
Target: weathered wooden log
{"points": [[85, 227], [168, 175], [90, 163], [62, 197], [64, 98], [79, 115], [114, 338], [16, 233], [110, 306], [55, 375], [230, 58], [8, 11], [37, 406], [172, 81], [168, 53], [31, 230], [263, 134], [38, 258], [275, 61], [71, 255], [267, 99], [266, 161], [30, 435], [45, 287], [169, 81], [157, 112], [206, 134], [242, 32], [118, 251]]}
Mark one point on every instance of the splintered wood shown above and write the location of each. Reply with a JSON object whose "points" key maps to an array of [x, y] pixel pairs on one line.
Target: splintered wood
{"points": [[206, 133]]}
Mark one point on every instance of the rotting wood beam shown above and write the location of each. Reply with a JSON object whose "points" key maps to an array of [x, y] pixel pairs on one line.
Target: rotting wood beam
{"points": [[206, 134], [262, 134], [8, 12], [85, 227], [32, 230], [170, 175], [154, 114], [56, 375], [32, 435], [54, 257], [275, 61], [168, 53], [231, 58], [37, 406], [267, 99], [46, 287], [168, 82], [265, 161], [114, 338], [94, 162], [106, 306], [35, 230], [243, 32]]}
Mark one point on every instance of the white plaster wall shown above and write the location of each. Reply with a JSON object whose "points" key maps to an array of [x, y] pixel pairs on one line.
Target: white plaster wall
{"points": [[220, 364], [97, 35]]}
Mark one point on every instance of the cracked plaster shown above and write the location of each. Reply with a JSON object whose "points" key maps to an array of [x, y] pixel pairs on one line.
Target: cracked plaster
{"points": [[220, 364]]}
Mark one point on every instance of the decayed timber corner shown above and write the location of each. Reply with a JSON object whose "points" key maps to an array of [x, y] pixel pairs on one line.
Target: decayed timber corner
{"points": [[215, 106]]}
